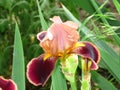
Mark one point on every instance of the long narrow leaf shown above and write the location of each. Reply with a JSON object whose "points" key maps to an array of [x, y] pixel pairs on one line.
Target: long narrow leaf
{"points": [[112, 64], [58, 80], [86, 5], [102, 82], [42, 20], [18, 69], [117, 5]]}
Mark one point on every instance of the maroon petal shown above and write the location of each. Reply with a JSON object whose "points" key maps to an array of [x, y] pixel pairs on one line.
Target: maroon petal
{"points": [[7, 84], [90, 52], [39, 70]]}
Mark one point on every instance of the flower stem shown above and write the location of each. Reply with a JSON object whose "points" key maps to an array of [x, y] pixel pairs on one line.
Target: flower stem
{"points": [[86, 76], [73, 85]]}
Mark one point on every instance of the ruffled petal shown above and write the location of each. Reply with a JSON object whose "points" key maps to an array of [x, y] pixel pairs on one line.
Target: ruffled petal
{"points": [[90, 52], [56, 19], [72, 24], [39, 70], [7, 84], [59, 37], [64, 38]]}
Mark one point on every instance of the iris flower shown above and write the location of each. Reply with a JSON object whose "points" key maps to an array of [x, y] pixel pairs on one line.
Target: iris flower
{"points": [[60, 41], [7, 84]]}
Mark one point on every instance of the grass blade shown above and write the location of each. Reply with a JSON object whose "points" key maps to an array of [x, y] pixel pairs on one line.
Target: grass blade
{"points": [[86, 5], [18, 69], [42, 20], [115, 36], [111, 64], [117, 5]]}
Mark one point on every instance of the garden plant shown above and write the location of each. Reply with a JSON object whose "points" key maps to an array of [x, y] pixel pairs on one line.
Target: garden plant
{"points": [[59, 45]]}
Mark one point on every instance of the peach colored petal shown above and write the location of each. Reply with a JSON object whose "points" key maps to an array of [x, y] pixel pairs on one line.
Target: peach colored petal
{"points": [[64, 37], [56, 19], [71, 24], [45, 44], [59, 36], [49, 34]]}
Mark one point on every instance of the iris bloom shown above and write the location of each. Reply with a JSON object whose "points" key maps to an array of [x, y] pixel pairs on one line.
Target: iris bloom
{"points": [[59, 41], [7, 84]]}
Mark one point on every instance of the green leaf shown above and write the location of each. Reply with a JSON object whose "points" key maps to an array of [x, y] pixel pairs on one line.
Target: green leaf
{"points": [[42, 20], [58, 80], [1, 62], [18, 69], [86, 5], [117, 5], [102, 82], [111, 64], [6, 3], [22, 4], [73, 6], [3, 24]]}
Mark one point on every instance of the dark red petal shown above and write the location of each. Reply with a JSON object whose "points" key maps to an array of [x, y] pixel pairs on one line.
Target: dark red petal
{"points": [[38, 70], [7, 84], [91, 52]]}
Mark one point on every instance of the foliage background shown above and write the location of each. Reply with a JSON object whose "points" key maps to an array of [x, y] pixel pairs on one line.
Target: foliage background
{"points": [[100, 16]]}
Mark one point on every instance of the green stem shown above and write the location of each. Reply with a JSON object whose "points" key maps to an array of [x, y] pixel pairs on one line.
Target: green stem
{"points": [[73, 85], [86, 76]]}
